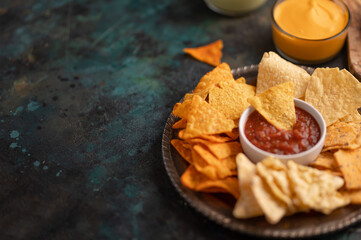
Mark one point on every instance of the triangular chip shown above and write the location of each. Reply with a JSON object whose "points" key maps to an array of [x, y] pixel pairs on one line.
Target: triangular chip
{"points": [[204, 119], [276, 105], [219, 74], [223, 150], [274, 70], [246, 205], [209, 159], [182, 109], [210, 54], [316, 189], [324, 161], [338, 135], [273, 208], [182, 123], [334, 93], [349, 162], [231, 98], [195, 180], [353, 116], [183, 148], [274, 172]]}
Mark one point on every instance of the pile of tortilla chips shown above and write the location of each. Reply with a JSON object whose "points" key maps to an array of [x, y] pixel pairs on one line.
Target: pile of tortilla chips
{"points": [[208, 131], [275, 189], [208, 139]]}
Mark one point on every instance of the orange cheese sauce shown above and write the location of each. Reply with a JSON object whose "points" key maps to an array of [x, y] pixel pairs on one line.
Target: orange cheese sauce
{"points": [[309, 31], [310, 19]]}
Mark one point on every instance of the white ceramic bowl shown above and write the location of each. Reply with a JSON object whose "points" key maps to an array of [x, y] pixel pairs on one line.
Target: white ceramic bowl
{"points": [[255, 154]]}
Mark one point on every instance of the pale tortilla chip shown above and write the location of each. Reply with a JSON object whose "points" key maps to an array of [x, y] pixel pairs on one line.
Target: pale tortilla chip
{"points": [[334, 93], [246, 206], [316, 189], [274, 173], [274, 70], [272, 207]]}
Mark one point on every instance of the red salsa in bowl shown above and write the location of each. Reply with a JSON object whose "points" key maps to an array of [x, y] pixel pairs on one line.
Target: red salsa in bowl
{"points": [[304, 135]]}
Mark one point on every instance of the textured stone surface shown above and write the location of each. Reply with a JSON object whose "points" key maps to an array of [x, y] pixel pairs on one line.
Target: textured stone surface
{"points": [[85, 89]]}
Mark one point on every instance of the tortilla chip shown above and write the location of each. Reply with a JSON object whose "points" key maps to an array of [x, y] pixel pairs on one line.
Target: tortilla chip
{"points": [[339, 134], [182, 109], [183, 148], [333, 93], [234, 134], [349, 162], [219, 74], [272, 207], [316, 189], [325, 160], [202, 165], [182, 123], [221, 170], [274, 173], [276, 105], [353, 116], [196, 181], [231, 98], [274, 70], [224, 150], [216, 138], [210, 54], [204, 119], [354, 195], [240, 80], [246, 206]]}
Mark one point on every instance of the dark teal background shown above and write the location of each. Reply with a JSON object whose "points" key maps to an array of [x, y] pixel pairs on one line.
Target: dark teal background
{"points": [[86, 87]]}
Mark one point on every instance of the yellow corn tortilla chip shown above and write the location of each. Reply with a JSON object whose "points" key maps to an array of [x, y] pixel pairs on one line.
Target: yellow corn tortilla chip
{"points": [[183, 148], [204, 119], [182, 123], [353, 116], [246, 205], [274, 70], [203, 166], [349, 162], [333, 93], [210, 53], [224, 150], [240, 80], [354, 195], [339, 134], [325, 160], [276, 105], [231, 98], [234, 134], [222, 170], [196, 181], [182, 109], [219, 74], [215, 138]]}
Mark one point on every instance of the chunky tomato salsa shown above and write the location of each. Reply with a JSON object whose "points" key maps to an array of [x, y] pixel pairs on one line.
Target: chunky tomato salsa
{"points": [[265, 136]]}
